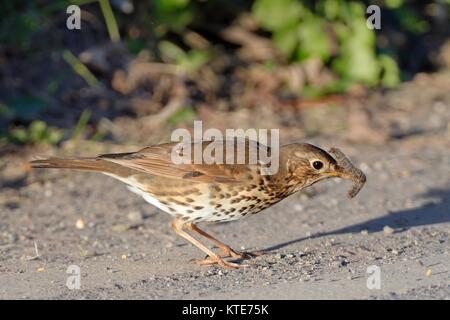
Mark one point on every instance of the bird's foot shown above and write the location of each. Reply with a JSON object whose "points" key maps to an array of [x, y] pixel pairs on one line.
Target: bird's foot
{"points": [[241, 254], [230, 253], [221, 262]]}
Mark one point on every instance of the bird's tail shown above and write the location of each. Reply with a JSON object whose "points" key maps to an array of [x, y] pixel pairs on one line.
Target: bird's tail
{"points": [[84, 164]]}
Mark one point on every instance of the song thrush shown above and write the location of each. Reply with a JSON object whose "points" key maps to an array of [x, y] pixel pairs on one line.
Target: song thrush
{"points": [[215, 192]]}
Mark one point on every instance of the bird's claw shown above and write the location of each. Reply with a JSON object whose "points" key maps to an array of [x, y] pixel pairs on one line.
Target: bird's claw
{"points": [[221, 262]]}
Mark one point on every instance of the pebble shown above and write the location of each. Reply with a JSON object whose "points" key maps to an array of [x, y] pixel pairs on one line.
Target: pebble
{"points": [[119, 228], [388, 230], [364, 232], [135, 216], [79, 224]]}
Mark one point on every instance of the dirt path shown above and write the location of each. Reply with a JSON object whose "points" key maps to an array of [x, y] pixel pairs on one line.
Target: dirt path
{"points": [[320, 243]]}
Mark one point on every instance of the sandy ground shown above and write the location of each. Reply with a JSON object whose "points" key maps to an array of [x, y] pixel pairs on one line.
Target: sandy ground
{"points": [[320, 243]]}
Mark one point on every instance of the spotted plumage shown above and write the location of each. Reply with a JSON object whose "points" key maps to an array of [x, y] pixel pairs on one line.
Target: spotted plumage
{"points": [[208, 191]]}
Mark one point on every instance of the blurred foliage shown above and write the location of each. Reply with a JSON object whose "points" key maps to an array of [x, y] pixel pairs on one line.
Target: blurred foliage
{"points": [[110, 20], [26, 18], [81, 125], [172, 15], [333, 31], [184, 115], [79, 68], [26, 109], [38, 132], [189, 61], [22, 108], [301, 32]]}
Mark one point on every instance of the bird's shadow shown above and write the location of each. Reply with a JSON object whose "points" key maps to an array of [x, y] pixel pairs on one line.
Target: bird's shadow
{"points": [[434, 211]]}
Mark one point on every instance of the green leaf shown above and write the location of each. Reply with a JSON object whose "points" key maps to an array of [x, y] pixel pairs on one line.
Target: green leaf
{"points": [[275, 15], [190, 61], [170, 5], [18, 135], [110, 20], [390, 76], [357, 61], [286, 40], [172, 14], [393, 4], [81, 124], [314, 41], [37, 132], [171, 51], [194, 60], [54, 136], [411, 21], [331, 9], [185, 114]]}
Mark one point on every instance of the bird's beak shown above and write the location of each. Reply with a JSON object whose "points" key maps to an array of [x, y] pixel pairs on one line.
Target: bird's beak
{"points": [[346, 170]]}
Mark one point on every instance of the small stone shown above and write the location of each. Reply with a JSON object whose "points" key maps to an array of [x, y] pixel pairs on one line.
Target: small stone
{"points": [[119, 228], [429, 273], [135, 216], [405, 173], [40, 269], [85, 253], [124, 257], [79, 224], [364, 232], [388, 230]]}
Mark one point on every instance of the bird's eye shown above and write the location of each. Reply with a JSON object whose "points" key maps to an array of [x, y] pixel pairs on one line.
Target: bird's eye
{"points": [[317, 165]]}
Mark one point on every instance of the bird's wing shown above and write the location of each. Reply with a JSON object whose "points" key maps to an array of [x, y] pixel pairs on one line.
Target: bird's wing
{"points": [[158, 160]]}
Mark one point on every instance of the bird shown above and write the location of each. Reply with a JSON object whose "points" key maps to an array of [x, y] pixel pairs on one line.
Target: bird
{"points": [[194, 192]]}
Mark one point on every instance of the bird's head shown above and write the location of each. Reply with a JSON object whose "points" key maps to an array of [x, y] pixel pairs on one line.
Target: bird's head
{"points": [[309, 164]]}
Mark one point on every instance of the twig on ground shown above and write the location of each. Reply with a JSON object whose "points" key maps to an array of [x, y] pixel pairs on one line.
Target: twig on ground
{"points": [[36, 255]]}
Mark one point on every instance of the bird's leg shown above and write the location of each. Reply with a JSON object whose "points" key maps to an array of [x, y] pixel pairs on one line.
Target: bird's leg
{"points": [[214, 258], [227, 251]]}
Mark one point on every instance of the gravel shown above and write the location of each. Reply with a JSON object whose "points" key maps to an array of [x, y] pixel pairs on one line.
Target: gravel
{"points": [[320, 244]]}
